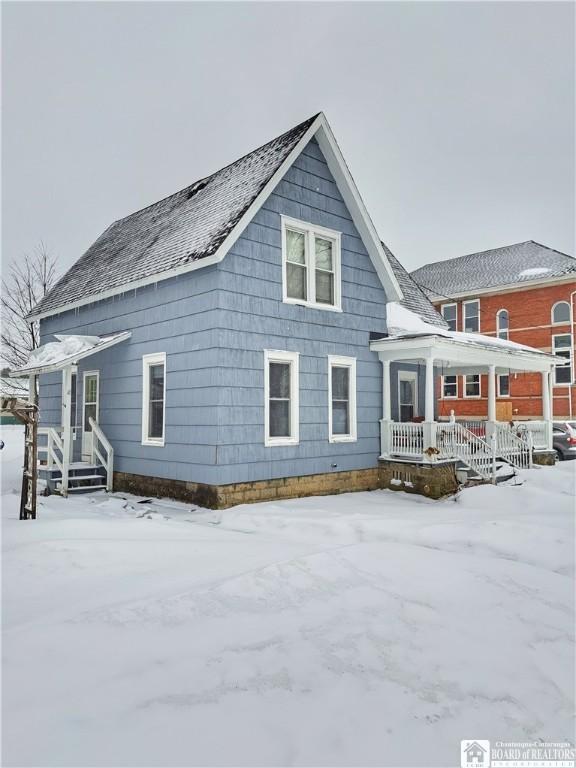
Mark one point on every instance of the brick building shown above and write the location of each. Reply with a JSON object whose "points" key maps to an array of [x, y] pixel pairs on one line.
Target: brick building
{"points": [[525, 293]]}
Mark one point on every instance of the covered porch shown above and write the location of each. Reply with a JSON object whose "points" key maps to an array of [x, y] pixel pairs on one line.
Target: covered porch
{"points": [[65, 467], [478, 444]]}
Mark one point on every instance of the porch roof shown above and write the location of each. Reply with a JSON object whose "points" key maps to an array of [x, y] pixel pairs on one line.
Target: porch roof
{"points": [[67, 350]]}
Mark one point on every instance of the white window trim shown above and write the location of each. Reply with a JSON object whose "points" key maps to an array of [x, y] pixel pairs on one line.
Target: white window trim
{"points": [[158, 358], [571, 351], [464, 304], [472, 397], [280, 356], [449, 397], [561, 322], [310, 230], [500, 311], [498, 392], [408, 376], [337, 361], [84, 376], [450, 304]]}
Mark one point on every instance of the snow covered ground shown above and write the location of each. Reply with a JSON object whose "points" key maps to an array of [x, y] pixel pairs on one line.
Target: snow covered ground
{"points": [[373, 629]]}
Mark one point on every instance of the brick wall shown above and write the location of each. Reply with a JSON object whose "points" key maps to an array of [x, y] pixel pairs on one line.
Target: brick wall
{"points": [[529, 311]]}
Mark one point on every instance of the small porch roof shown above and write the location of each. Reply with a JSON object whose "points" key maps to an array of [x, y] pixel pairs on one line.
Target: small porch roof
{"points": [[412, 340], [67, 350]]}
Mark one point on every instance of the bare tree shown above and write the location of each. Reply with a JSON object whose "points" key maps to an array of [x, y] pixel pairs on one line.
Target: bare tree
{"points": [[26, 282]]}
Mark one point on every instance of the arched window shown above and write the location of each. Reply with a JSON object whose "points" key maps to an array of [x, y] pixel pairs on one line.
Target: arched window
{"points": [[561, 312], [502, 324]]}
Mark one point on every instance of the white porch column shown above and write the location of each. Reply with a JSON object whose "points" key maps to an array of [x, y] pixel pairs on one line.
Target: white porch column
{"points": [[386, 410], [66, 428], [429, 399], [547, 404], [492, 393]]}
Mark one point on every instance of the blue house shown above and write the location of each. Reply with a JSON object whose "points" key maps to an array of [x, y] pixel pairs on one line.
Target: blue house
{"points": [[233, 342]]}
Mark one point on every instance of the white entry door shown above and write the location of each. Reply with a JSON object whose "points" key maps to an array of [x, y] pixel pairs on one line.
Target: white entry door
{"points": [[91, 408], [407, 395]]}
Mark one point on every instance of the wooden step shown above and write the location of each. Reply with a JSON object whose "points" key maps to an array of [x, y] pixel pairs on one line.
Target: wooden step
{"points": [[75, 488], [85, 477]]}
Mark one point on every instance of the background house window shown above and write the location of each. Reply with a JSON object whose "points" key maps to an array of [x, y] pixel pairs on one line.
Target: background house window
{"points": [[561, 312], [342, 398], [471, 311], [562, 346], [502, 324], [449, 386], [449, 313], [153, 399], [311, 258], [503, 385], [281, 398], [472, 385]]}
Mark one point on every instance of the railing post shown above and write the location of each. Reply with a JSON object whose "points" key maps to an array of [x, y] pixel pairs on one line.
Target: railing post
{"points": [[50, 448], [494, 446], [385, 437], [110, 470], [530, 449], [429, 434]]}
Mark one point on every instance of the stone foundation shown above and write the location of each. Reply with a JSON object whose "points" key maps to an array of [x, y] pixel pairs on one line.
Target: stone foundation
{"points": [[223, 496], [544, 458], [432, 480]]}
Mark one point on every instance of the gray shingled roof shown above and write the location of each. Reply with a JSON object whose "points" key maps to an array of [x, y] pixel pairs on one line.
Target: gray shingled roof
{"points": [[518, 263], [184, 227], [414, 299]]}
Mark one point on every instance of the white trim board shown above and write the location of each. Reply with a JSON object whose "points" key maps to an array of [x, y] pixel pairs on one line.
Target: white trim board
{"points": [[347, 188]]}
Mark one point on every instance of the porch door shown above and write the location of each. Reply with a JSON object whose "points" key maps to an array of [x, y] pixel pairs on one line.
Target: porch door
{"points": [[91, 408], [407, 395]]}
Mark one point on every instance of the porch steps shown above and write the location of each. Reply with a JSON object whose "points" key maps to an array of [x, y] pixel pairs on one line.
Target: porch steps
{"points": [[467, 476], [82, 477]]}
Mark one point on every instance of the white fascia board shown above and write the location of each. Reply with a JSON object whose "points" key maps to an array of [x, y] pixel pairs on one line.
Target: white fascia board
{"points": [[51, 367], [361, 218], [347, 188]]}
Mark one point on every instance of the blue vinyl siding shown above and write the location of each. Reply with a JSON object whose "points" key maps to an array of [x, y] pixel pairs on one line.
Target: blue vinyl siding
{"points": [[214, 325]]}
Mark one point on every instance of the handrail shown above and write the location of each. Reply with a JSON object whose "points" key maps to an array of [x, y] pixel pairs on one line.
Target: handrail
{"points": [[54, 444], [538, 429], [99, 437], [456, 440], [512, 447]]}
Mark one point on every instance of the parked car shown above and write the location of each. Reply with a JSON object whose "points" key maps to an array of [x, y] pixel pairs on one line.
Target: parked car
{"points": [[564, 439]]}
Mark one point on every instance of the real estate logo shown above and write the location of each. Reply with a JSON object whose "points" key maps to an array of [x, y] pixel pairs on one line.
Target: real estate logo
{"points": [[475, 753]]}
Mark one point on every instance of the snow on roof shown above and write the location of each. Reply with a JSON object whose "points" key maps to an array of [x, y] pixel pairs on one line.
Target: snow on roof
{"points": [[414, 298], [184, 227], [403, 323], [66, 350], [511, 264]]}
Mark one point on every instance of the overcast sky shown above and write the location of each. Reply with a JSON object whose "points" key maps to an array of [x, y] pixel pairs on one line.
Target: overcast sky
{"points": [[456, 119]]}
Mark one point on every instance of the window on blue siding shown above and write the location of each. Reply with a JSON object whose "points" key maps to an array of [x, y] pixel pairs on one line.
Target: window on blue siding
{"points": [[281, 398], [153, 399], [311, 265], [342, 398]]}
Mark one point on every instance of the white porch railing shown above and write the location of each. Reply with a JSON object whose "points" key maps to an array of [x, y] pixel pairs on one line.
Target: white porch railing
{"points": [[406, 439], [512, 448], [99, 439], [457, 441], [541, 432], [55, 454]]}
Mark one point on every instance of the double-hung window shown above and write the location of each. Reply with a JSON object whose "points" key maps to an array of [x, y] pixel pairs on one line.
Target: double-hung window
{"points": [[342, 398], [449, 386], [562, 346], [503, 385], [450, 314], [311, 265], [281, 421], [472, 385], [153, 399], [502, 324], [471, 311]]}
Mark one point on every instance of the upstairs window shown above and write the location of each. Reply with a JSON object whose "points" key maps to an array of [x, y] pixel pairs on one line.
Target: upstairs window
{"points": [[471, 311], [342, 398], [153, 399], [562, 346], [561, 313], [449, 313], [281, 406], [502, 324], [311, 264]]}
